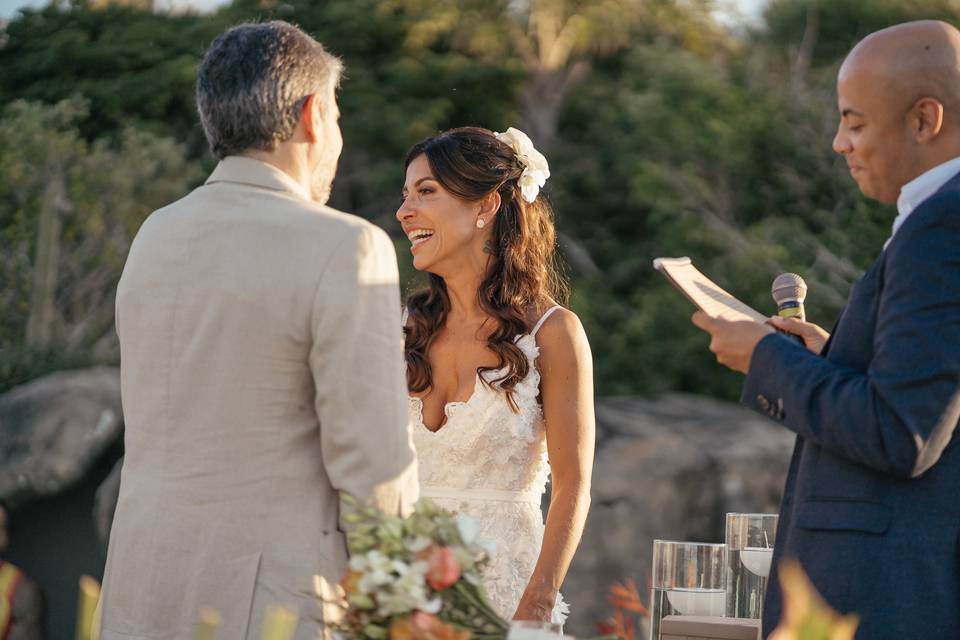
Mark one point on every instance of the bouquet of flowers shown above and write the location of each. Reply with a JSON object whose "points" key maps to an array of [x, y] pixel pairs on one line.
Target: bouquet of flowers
{"points": [[416, 578]]}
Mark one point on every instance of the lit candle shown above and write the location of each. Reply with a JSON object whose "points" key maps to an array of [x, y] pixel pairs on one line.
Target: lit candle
{"points": [[757, 560], [207, 625], [698, 602]]}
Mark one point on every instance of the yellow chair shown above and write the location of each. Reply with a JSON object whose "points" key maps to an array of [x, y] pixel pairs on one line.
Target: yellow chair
{"points": [[280, 623], [207, 625], [88, 614]]}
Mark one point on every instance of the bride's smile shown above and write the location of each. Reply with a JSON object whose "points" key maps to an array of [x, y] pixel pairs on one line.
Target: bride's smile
{"points": [[418, 237]]}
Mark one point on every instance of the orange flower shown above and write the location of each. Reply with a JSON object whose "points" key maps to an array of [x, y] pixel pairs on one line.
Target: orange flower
{"points": [[401, 628], [423, 626], [627, 607], [350, 580], [443, 569], [626, 596]]}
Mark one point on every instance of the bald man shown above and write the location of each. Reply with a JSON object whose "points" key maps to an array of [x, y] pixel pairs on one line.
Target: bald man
{"points": [[871, 506]]}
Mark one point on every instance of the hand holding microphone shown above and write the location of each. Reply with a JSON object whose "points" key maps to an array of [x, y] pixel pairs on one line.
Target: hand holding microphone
{"points": [[789, 291]]}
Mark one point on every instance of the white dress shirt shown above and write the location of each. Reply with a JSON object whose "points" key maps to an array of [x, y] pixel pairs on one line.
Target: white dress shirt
{"points": [[913, 194]]}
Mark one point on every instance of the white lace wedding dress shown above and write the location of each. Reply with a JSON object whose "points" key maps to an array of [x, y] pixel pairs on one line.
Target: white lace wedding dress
{"points": [[491, 463]]}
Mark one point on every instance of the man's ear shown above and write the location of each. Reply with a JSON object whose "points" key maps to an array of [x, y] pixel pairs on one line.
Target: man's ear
{"points": [[312, 117], [926, 119]]}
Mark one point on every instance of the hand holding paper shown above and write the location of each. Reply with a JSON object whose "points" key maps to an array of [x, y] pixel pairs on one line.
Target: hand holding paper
{"points": [[732, 341]]}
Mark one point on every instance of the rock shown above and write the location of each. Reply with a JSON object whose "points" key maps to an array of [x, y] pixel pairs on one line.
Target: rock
{"points": [[668, 468], [53, 429]]}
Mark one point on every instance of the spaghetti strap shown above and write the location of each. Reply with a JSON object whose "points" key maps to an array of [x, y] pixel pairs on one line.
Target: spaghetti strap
{"points": [[543, 319]]}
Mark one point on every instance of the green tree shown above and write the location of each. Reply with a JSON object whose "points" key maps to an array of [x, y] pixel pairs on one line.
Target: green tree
{"points": [[821, 32], [559, 39], [136, 68], [68, 212]]}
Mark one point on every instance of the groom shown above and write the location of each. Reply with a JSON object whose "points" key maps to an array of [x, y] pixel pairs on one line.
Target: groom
{"points": [[261, 362], [870, 507]]}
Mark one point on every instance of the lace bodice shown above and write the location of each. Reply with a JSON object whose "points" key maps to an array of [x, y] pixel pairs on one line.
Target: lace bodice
{"points": [[490, 462], [484, 444]]}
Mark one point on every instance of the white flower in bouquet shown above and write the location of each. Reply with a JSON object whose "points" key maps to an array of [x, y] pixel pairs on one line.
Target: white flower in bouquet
{"points": [[469, 528], [408, 592], [376, 569], [536, 170]]}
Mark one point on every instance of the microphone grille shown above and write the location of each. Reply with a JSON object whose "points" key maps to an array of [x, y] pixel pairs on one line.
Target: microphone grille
{"points": [[788, 286]]}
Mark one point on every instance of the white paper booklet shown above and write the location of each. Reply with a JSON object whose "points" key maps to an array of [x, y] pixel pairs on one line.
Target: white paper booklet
{"points": [[704, 292]]}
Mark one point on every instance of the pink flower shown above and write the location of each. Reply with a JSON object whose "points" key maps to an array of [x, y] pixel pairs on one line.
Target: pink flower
{"points": [[443, 570], [422, 621]]}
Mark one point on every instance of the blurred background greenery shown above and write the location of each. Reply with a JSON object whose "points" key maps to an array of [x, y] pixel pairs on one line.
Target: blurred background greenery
{"points": [[671, 129]]}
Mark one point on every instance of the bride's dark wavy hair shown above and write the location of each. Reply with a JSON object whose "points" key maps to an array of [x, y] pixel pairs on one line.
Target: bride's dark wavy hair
{"points": [[522, 273]]}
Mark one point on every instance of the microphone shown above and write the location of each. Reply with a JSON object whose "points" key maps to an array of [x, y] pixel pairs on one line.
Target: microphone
{"points": [[789, 291]]}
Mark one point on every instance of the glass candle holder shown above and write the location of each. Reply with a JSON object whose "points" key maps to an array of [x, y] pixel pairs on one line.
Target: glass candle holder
{"points": [[688, 580], [750, 540], [534, 630]]}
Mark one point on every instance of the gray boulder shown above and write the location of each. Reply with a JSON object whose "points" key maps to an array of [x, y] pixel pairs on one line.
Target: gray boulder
{"points": [[54, 429], [670, 468]]}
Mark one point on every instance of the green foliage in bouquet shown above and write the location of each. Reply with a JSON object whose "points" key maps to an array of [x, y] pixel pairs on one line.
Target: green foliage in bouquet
{"points": [[415, 577]]}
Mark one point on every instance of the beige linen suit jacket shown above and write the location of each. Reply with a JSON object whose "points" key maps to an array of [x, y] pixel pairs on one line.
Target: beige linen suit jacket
{"points": [[262, 373]]}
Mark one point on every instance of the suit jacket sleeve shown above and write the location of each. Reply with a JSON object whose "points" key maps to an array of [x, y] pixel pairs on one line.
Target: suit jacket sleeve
{"points": [[357, 364], [900, 414]]}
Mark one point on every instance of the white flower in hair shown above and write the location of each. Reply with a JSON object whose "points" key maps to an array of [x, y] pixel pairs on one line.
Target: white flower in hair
{"points": [[535, 167]]}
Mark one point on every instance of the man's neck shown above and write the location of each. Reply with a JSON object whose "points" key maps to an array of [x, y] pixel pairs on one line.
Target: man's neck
{"points": [[933, 158], [282, 158]]}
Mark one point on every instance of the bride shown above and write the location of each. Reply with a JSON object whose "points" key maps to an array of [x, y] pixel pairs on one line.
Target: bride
{"points": [[500, 375]]}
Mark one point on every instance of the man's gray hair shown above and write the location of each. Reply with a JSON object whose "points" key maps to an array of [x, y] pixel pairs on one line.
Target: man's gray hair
{"points": [[253, 82]]}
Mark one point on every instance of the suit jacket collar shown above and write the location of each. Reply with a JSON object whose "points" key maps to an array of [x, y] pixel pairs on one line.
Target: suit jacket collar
{"points": [[243, 170], [951, 183], [921, 189]]}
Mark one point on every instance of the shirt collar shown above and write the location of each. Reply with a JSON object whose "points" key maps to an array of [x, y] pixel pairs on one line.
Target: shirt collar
{"points": [[244, 170], [913, 194]]}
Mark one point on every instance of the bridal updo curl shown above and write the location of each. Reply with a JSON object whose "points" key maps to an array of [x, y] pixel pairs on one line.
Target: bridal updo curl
{"points": [[522, 276]]}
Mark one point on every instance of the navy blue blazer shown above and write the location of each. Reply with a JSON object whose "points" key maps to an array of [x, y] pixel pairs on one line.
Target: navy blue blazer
{"points": [[871, 506]]}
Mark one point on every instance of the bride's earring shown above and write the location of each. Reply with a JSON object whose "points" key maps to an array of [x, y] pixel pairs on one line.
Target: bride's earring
{"points": [[480, 223]]}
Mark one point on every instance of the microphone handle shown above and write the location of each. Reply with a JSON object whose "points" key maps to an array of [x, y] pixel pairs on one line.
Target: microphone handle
{"points": [[792, 309]]}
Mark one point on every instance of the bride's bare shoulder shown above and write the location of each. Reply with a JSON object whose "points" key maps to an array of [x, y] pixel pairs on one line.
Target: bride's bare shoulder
{"points": [[561, 334]]}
